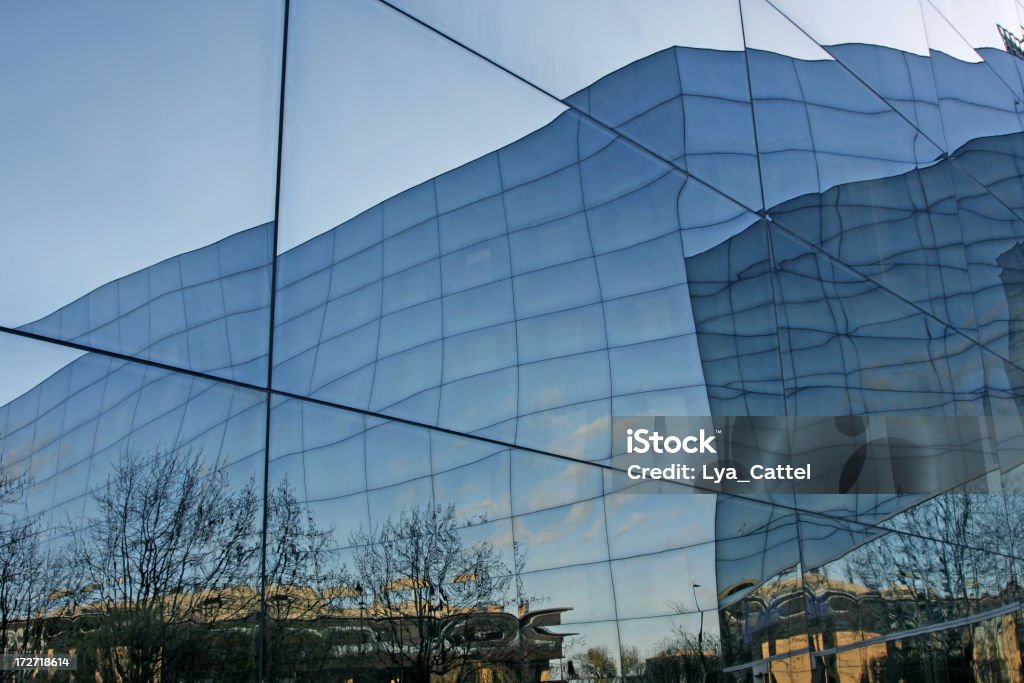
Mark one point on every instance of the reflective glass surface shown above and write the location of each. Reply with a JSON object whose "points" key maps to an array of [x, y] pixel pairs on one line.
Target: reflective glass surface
{"points": [[318, 318], [144, 159]]}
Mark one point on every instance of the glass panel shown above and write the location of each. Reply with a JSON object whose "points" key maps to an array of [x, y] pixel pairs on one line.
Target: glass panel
{"points": [[367, 559], [990, 197], [642, 588], [391, 526], [690, 106], [769, 622], [480, 491], [585, 592], [640, 524], [920, 58], [553, 45], [441, 348], [884, 44], [974, 100], [165, 238], [681, 647], [893, 581], [902, 232], [358, 68], [851, 347], [591, 651], [817, 125], [753, 542], [731, 291], [569, 534], [538, 233], [541, 482], [953, 653], [142, 491], [581, 430], [978, 26]]}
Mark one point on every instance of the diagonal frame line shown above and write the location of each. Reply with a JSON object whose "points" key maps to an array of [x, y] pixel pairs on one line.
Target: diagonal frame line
{"points": [[586, 115], [887, 103], [647, 151], [637, 145], [256, 388], [817, 249], [944, 156], [968, 44], [271, 393]]}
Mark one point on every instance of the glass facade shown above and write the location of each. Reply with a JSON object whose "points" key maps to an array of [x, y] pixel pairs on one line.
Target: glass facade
{"points": [[380, 449]]}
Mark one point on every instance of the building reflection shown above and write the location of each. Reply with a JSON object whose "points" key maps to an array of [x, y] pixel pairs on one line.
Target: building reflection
{"points": [[470, 340]]}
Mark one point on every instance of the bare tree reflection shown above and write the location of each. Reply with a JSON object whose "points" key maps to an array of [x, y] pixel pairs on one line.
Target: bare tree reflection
{"points": [[436, 606], [26, 578], [943, 560], [169, 543]]}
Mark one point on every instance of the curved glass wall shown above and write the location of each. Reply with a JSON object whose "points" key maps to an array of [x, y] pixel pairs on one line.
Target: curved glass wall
{"points": [[367, 434]]}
